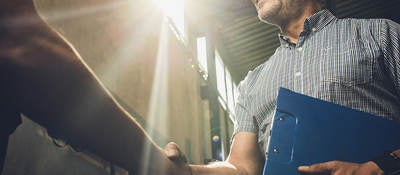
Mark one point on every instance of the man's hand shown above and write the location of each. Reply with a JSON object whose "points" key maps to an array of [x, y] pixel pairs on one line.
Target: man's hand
{"points": [[178, 157], [341, 168]]}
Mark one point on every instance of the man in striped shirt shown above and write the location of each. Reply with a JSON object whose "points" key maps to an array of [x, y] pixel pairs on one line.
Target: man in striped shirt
{"points": [[351, 62]]}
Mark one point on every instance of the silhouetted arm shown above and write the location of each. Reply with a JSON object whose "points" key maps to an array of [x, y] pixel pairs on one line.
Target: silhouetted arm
{"points": [[45, 79]]}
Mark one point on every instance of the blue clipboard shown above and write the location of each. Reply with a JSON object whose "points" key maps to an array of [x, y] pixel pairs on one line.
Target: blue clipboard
{"points": [[307, 130]]}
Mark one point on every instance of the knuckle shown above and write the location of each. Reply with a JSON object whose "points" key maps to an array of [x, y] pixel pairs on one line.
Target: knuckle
{"points": [[171, 145], [335, 165], [332, 163]]}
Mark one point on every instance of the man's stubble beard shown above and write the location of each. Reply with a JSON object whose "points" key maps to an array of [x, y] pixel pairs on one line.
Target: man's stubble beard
{"points": [[270, 15], [282, 11]]}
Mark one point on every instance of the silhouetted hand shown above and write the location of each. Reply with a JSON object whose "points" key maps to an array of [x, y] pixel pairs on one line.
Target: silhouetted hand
{"points": [[178, 157]]}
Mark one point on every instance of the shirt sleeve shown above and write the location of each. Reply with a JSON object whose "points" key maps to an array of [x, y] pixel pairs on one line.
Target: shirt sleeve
{"points": [[389, 38], [243, 121]]}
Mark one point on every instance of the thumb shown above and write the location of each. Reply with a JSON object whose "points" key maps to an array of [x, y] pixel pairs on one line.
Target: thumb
{"points": [[173, 152]]}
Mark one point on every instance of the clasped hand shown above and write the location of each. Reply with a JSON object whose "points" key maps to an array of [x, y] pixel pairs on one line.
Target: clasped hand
{"points": [[173, 152]]}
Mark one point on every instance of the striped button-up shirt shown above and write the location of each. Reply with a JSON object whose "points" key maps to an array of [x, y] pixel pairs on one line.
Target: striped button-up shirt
{"points": [[351, 62]]}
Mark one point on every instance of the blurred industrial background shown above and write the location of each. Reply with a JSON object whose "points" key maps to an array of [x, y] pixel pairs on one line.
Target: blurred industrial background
{"points": [[173, 64]]}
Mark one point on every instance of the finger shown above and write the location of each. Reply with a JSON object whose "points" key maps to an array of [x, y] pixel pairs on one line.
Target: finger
{"points": [[321, 168]]}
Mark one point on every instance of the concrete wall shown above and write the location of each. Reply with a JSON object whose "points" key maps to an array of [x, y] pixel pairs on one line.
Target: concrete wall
{"points": [[120, 40]]}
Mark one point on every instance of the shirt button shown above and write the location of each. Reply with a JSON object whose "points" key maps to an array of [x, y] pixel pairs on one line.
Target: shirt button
{"points": [[300, 49], [297, 74], [286, 45], [314, 29]]}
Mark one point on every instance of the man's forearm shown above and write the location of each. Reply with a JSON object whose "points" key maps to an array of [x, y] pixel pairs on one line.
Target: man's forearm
{"points": [[397, 152], [389, 163]]}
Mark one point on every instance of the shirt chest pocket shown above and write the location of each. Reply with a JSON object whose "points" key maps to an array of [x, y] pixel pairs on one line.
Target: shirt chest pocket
{"points": [[346, 64]]}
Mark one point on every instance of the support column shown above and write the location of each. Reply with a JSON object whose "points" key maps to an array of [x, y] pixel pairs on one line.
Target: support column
{"points": [[215, 119]]}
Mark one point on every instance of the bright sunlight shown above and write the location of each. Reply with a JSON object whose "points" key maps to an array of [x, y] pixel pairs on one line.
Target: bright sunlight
{"points": [[174, 9]]}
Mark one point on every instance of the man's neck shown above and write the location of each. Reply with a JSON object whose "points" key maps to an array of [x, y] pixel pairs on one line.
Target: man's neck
{"points": [[293, 27]]}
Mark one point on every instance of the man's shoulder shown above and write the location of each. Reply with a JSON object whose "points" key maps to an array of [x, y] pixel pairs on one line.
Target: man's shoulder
{"points": [[370, 27], [253, 75], [365, 22]]}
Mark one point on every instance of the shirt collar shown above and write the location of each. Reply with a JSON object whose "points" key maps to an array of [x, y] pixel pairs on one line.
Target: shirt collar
{"points": [[318, 21], [313, 23]]}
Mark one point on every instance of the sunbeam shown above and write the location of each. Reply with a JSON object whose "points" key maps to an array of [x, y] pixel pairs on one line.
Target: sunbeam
{"points": [[133, 41], [158, 108]]}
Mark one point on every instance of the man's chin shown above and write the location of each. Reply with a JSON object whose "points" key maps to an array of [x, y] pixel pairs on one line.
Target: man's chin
{"points": [[266, 19]]}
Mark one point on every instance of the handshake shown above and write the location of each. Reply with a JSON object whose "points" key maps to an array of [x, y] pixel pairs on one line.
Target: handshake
{"points": [[173, 152]]}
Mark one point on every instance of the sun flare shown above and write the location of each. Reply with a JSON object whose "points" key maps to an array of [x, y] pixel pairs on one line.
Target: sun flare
{"points": [[174, 9], [170, 8]]}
